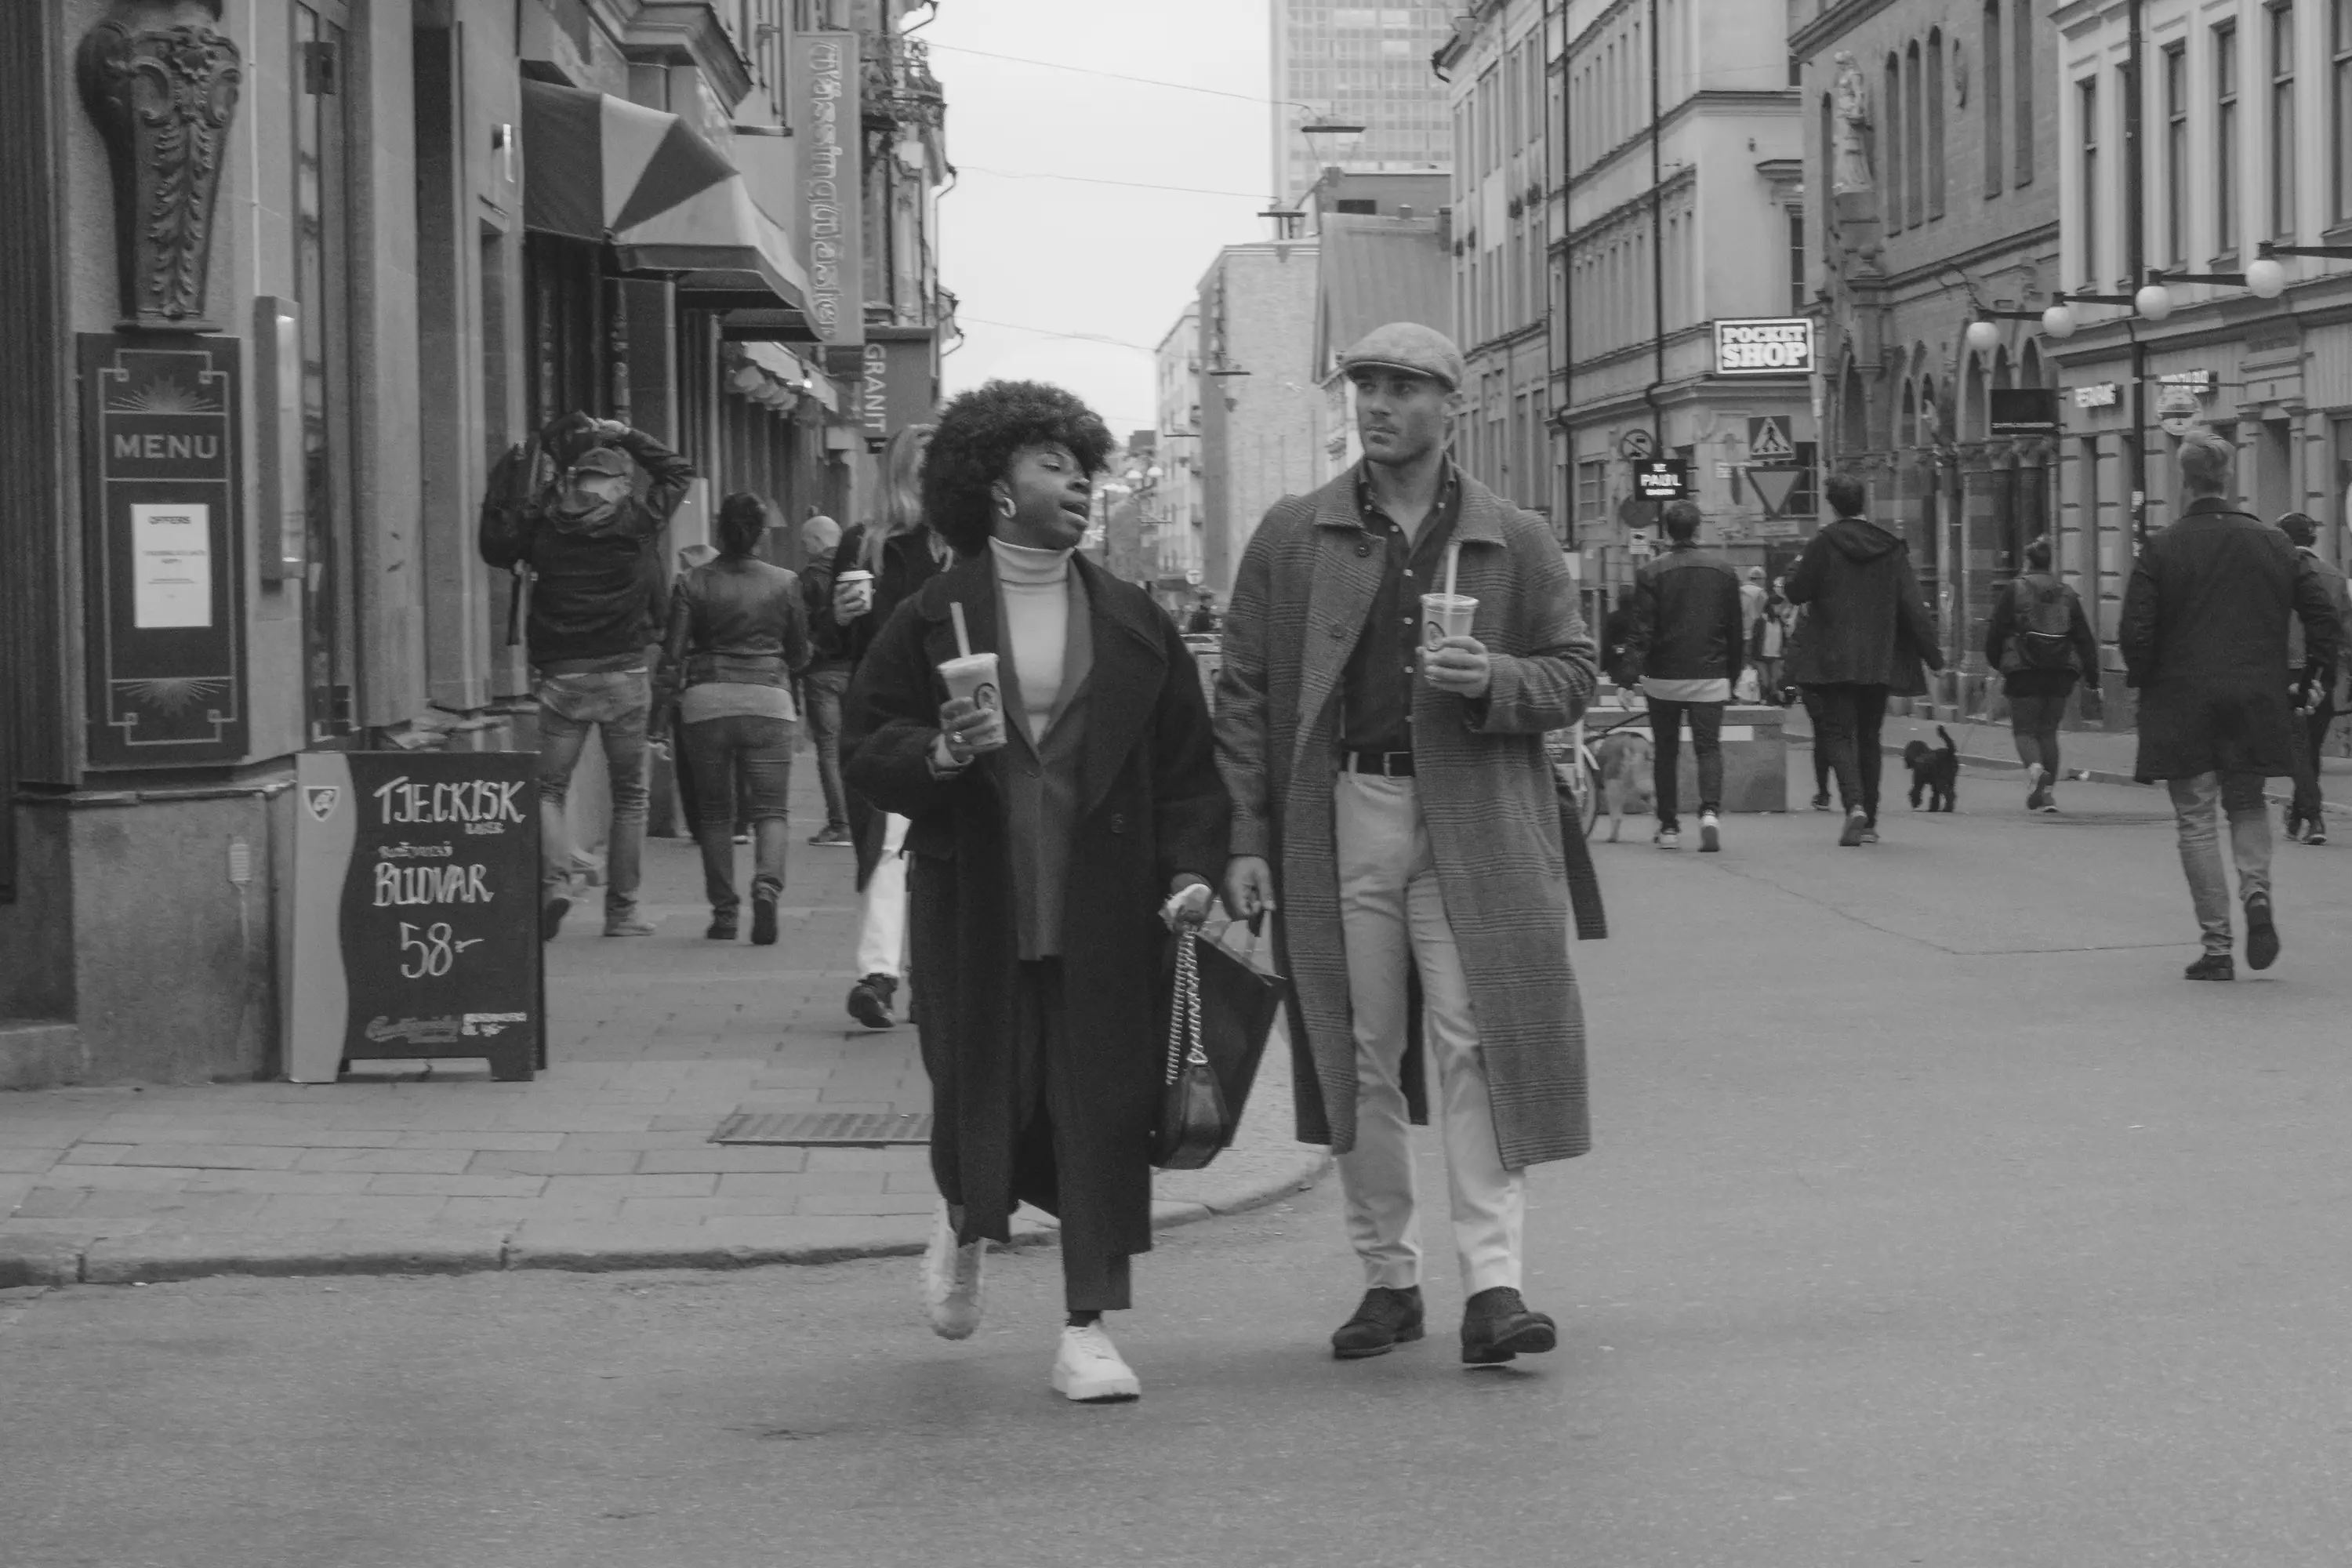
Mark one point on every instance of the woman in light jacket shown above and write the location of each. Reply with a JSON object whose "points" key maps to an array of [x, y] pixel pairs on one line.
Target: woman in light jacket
{"points": [[1051, 834]]}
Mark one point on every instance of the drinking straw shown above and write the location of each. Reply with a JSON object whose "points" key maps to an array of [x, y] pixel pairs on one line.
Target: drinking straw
{"points": [[1452, 565], [964, 637]]}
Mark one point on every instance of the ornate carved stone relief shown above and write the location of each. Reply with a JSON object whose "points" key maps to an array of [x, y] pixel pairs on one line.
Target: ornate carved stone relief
{"points": [[161, 84]]}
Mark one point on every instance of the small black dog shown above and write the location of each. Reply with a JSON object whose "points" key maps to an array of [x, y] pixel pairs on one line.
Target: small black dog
{"points": [[1934, 769]]}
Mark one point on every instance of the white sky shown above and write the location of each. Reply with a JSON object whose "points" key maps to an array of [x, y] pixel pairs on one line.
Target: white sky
{"points": [[1097, 260]]}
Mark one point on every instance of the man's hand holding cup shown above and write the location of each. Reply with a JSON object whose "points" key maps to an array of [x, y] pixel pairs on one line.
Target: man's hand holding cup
{"points": [[1451, 658]]}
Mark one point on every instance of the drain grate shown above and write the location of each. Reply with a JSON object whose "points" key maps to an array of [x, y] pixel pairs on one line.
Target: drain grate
{"points": [[853, 1129]]}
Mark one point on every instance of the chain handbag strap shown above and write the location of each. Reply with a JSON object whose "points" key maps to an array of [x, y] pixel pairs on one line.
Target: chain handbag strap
{"points": [[1185, 1011]]}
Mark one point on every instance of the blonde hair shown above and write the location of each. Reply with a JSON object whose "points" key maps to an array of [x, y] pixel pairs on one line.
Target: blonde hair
{"points": [[902, 491]]}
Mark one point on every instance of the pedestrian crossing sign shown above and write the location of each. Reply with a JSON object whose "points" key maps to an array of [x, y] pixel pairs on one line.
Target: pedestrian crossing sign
{"points": [[1768, 440]]}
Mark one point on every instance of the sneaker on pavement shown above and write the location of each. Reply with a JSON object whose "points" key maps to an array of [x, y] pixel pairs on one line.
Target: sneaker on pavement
{"points": [[2262, 935], [1498, 1326], [2050, 800], [833, 838], [1856, 825], [869, 1002], [1385, 1319], [2036, 775], [764, 898], [951, 1279], [1869, 835], [550, 916], [1089, 1370], [2315, 834], [628, 925], [1821, 801], [722, 926], [1710, 833], [2212, 966], [1668, 838]]}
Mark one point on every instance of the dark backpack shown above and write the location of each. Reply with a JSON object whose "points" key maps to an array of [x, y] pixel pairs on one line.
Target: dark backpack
{"points": [[2043, 637]]}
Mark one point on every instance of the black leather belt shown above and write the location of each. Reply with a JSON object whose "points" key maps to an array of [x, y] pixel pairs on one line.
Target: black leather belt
{"points": [[1387, 764]]}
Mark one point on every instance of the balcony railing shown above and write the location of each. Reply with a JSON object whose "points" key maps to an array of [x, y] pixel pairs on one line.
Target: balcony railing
{"points": [[897, 84]]}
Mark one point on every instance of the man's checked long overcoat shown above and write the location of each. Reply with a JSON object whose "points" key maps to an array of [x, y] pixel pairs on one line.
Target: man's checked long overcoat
{"points": [[1299, 602]]}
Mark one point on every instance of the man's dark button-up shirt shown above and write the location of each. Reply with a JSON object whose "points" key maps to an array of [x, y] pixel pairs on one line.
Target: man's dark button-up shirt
{"points": [[1376, 694]]}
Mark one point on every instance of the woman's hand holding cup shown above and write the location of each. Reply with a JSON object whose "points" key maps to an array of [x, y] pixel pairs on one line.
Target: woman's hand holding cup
{"points": [[969, 729]]}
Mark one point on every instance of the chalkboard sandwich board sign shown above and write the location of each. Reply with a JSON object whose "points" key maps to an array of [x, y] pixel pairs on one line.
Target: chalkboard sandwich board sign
{"points": [[416, 911]]}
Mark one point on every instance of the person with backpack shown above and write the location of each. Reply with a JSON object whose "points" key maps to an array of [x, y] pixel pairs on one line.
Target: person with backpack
{"points": [[565, 513], [2041, 642], [2306, 815]]}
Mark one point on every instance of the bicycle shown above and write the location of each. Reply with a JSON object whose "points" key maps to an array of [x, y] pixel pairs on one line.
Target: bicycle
{"points": [[1578, 770]]}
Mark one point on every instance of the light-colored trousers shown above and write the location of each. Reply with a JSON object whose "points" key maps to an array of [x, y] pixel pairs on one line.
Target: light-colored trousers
{"points": [[2239, 797], [882, 932], [1392, 914]]}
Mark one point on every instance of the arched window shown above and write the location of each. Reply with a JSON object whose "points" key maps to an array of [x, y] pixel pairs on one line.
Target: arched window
{"points": [[1989, 56], [1914, 143], [1907, 433], [1890, 162], [1853, 437], [1932, 96]]}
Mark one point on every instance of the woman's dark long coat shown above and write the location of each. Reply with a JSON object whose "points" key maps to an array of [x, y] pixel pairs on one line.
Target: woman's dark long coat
{"points": [[1151, 805]]}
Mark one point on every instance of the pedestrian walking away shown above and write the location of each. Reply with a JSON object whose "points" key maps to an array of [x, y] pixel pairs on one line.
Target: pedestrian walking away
{"points": [[2204, 642], [1390, 778], [2307, 813], [1866, 632], [1690, 638], [737, 633], [876, 567], [827, 679], [1753, 597], [591, 542], [1055, 796], [2040, 639]]}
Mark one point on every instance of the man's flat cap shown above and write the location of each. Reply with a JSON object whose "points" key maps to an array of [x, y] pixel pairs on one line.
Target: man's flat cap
{"points": [[1410, 347], [602, 460]]}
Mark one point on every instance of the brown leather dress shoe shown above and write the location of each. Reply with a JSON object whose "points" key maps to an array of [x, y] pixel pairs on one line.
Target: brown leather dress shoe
{"points": [[1498, 1326], [1384, 1319]]}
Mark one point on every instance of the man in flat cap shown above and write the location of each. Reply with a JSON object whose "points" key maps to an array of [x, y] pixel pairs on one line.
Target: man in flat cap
{"points": [[1391, 785]]}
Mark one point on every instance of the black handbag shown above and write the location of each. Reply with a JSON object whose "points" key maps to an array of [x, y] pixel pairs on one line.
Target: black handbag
{"points": [[1220, 1011]]}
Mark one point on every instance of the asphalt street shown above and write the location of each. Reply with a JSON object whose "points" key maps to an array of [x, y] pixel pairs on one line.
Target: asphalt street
{"points": [[1933, 1219]]}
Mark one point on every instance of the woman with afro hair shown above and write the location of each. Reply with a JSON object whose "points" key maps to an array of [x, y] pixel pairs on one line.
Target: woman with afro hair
{"points": [[1052, 836]]}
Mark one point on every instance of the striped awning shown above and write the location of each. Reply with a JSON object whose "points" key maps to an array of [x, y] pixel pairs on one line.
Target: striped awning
{"points": [[598, 168]]}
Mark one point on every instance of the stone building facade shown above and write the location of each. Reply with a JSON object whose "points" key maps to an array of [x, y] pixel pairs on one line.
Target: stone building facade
{"points": [[371, 273], [1257, 394]]}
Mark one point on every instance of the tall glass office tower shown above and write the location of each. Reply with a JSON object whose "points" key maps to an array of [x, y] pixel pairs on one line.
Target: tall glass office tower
{"points": [[1365, 63]]}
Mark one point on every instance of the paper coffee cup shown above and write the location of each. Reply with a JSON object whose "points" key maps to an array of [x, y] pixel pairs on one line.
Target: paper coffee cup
{"points": [[973, 679], [860, 583], [1445, 615]]}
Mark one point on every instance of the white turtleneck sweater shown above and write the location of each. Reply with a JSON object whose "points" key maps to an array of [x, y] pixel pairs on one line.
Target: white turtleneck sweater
{"points": [[1034, 589]]}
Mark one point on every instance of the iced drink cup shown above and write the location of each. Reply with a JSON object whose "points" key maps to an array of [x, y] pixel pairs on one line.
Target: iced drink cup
{"points": [[1444, 616], [972, 678]]}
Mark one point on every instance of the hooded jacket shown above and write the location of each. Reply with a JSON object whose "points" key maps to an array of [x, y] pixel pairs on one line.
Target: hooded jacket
{"points": [[1689, 617], [1865, 622], [596, 584]]}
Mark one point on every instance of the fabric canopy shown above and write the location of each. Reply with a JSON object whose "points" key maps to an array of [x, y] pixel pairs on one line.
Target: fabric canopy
{"points": [[593, 164], [719, 239]]}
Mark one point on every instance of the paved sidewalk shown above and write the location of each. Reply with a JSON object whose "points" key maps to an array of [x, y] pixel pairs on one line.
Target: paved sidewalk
{"points": [[604, 1162], [2097, 756]]}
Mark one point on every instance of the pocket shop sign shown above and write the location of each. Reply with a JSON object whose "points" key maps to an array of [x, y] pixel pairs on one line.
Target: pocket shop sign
{"points": [[415, 911]]}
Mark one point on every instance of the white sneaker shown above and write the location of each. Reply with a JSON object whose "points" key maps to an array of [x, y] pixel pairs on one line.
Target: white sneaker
{"points": [[1088, 1369], [951, 1277], [1710, 833], [1666, 838]]}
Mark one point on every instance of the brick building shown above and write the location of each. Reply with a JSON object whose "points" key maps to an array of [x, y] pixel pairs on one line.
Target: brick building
{"points": [[1258, 414]]}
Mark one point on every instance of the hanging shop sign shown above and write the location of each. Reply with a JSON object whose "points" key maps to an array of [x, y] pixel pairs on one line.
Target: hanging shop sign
{"points": [[826, 132], [2194, 380], [1661, 479], [2099, 395], [2023, 411], [416, 911], [167, 581], [2176, 411], [1764, 345], [896, 387]]}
